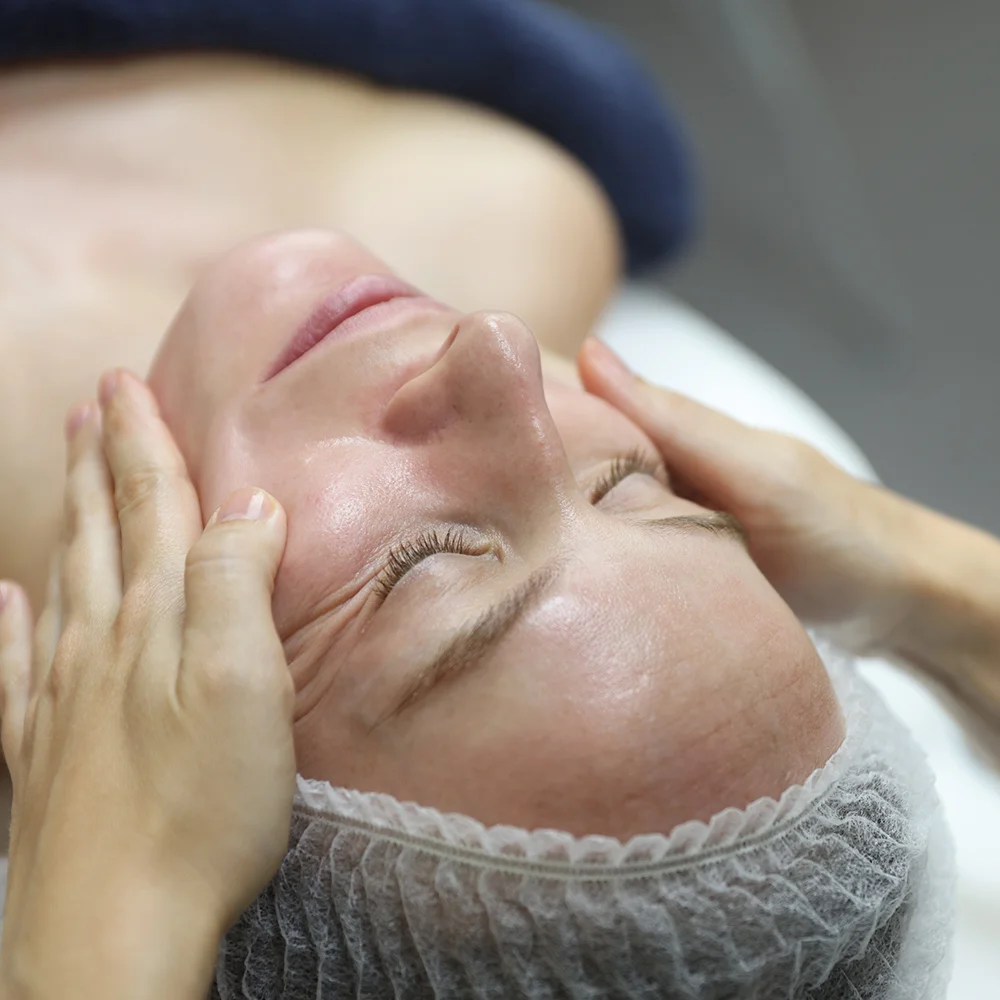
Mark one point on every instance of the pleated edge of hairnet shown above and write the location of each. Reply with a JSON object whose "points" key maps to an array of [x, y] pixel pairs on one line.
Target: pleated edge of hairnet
{"points": [[558, 852]]}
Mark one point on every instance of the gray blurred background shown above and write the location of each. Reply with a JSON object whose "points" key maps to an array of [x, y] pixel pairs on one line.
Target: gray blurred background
{"points": [[849, 156]]}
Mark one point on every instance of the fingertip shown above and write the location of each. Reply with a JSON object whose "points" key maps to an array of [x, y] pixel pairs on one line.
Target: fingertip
{"points": [[83, 430], [14, 608], [76, 418], [6, 590], [249, 517], [107, 386], [119, 384], [138, 390], [249, 504], [595, 357], [232, 568], [246, 504]]}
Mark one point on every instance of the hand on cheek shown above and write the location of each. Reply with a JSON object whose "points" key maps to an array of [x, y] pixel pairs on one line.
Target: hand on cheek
{"points": [[147, 722]]}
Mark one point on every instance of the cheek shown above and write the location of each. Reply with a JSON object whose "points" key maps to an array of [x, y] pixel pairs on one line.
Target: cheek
{"points": [[221, 462], [183, 416], [190, 385], [344, 506]]}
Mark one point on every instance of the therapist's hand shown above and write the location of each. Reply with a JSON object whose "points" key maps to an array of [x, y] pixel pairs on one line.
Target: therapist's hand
{"points": [[838, 550], [893, 577], [147, 724]]}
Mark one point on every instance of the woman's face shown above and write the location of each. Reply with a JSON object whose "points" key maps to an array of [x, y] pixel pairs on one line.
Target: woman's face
{"points": [[490, 599]]}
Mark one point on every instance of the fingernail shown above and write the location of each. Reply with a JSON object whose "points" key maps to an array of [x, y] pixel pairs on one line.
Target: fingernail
{"points": [[610, 361], [107, 387], [77, 417], [8, 593], [245, 505]]}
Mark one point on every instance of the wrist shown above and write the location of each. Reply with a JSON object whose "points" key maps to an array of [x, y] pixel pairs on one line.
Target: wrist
{"points": [[952, 594], [130, 938], [885, 569]]}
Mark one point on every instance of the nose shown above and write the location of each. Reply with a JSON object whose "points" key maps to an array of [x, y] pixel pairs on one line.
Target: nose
{"points": [[482, 401]]}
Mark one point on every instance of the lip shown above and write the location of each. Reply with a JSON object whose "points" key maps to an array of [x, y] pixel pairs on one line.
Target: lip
{"points": [[359, 305]]}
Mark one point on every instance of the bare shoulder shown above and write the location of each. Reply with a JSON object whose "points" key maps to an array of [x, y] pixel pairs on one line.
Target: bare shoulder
{"points": [[477, 208], [110, 215]]}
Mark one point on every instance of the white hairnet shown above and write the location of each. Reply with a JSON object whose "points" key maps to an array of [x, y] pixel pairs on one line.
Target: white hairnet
{"points": [[842, 889]]}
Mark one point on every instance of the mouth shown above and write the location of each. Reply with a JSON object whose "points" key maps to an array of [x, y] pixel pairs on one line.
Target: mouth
{"points": [[360, 305]]}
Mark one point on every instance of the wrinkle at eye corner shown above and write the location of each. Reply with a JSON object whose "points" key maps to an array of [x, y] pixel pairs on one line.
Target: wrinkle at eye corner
{"points": [[327, 622]]}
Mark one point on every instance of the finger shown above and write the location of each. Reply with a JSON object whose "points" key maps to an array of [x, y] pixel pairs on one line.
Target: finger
{"points": [[229, 630], [91, 564], [15, 669], [712, 452], [48, 628], [158, 512]]}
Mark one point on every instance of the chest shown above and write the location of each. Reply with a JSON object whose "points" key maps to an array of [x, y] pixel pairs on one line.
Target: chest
{"points": [[126, 179]]}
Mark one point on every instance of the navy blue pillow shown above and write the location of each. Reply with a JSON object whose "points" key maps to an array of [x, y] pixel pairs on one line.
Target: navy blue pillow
{"points": [[530, 61]]}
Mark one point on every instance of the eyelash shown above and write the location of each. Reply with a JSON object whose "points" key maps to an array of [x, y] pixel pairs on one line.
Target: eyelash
{"points": [[407, 554], [636, 461]]}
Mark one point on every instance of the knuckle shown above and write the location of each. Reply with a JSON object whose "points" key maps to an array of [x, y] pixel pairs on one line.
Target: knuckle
{"points": [[57, 680], [220, 679], [73, 504], [222, 552], [27, 732], [83, 588], [83, 474], [62, 672], [87, 658], [76, 561], [147, 602], [47, 625], [141, 486], [135, 611], [88, 505], [241, 677], [793, 460]]}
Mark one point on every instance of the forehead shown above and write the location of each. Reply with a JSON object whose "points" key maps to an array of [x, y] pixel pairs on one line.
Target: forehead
{"points": [[655, 656], [639, 598]]}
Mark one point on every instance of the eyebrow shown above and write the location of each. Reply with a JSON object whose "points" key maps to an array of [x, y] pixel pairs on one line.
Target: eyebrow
{"points": [[472, 642], [717, 522], [469, 646]]}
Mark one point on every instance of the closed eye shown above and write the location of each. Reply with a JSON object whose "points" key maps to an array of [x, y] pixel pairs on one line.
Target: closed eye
{"points": [[407, 554], [633, 463], [410, 553]]}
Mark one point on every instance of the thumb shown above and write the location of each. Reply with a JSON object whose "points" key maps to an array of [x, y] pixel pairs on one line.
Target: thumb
{"points": [[718, 456], [229, 579]]}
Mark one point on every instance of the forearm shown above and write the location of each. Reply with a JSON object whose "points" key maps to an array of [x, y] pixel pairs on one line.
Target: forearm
{"points": [[134, 943], [952, 632]]}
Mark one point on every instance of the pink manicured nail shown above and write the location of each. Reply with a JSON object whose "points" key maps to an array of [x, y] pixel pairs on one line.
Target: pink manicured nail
{"points": [[245, 505], [76, 418], [107, 387], [8, 593], [79, 416]]}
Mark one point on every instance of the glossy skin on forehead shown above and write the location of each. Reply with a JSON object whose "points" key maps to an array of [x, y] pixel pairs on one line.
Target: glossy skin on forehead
{"points": [[655, 678]]}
